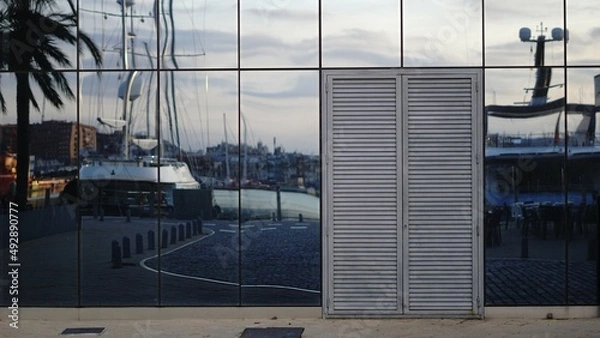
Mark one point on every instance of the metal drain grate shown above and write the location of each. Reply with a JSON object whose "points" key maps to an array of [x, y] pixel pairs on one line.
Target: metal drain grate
{"points": [[83, 331], [272, 332]]}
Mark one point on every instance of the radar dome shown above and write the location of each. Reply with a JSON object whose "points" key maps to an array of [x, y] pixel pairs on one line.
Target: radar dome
{"points": [[525, 34], [558, 34]]}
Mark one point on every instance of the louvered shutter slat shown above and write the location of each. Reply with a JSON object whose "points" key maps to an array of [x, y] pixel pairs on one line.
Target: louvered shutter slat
{"points": [[364, 208], [439, 202]]}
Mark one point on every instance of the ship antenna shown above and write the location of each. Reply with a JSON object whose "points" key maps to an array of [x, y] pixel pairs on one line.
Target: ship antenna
{"points": [[543, 73]]}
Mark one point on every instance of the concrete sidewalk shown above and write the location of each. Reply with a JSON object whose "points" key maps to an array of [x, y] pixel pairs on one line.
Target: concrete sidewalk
{"points": [[319, 328]]}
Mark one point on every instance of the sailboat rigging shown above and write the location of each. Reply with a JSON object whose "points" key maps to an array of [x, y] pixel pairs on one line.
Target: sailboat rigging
{"points": [[131, 181]]}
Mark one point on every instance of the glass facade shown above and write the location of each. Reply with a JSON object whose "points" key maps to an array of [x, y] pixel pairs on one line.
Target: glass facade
{"points": [[442, 33], [541, 222], [185, 170]]}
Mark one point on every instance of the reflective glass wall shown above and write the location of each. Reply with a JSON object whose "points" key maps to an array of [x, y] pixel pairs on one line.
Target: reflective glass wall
{"points": [[181, 171], [184, 170], [40, 244], [542, 154]]}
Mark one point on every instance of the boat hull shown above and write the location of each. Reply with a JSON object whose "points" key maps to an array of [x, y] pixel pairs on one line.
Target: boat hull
{"points": [[137, 187]]}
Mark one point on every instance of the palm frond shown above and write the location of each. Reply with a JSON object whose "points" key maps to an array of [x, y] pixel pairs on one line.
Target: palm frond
{"points": [[72, 6], [49, 49], [50, 27], [58, 29], [91, 46], [32, 100], [63, 84], [44, 81]]}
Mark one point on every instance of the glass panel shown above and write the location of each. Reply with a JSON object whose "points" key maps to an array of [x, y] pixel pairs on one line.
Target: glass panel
{"points": [[40, 232], [370, 39], [583, 184], [42, 39], [198, 34], [279, 33], [103, 22], [503, 21], [280, 224], [442, 33], [119, 201], [199, 129], [582, 18], [524, 230]]}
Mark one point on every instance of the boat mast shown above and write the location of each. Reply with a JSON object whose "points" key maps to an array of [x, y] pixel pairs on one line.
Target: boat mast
{"points": [[543, 73], [226, 147], [172, 74], [148, 92], [125, 60], [132, 75], [125, 67], [245, 167], [163, 54]]}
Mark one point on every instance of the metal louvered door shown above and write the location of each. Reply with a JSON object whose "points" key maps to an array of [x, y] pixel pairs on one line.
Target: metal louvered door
{"points": [[441, 194], [401, 189], [361, 174]]}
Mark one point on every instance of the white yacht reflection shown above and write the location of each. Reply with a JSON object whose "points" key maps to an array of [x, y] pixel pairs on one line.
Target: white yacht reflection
{"points": [[534, 163], [128, 180]]}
